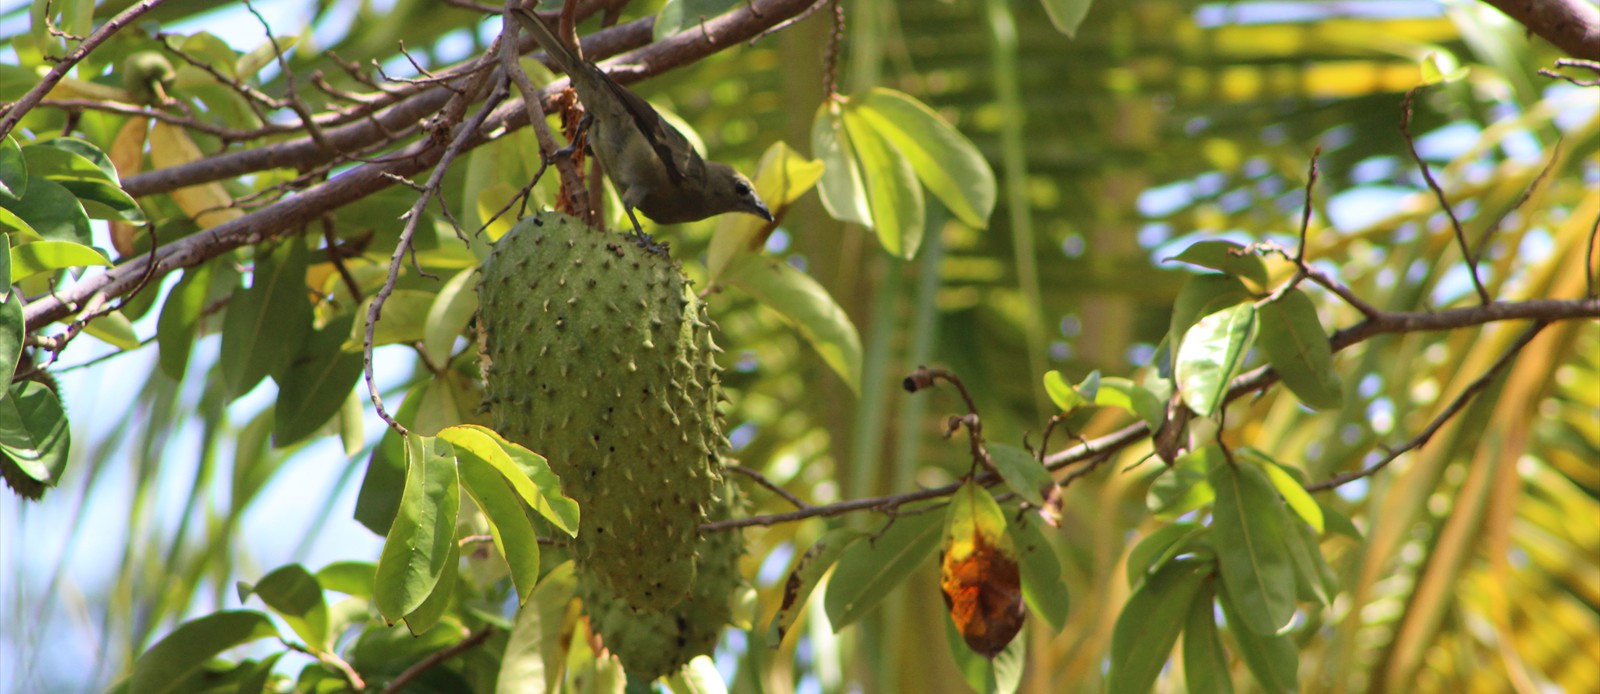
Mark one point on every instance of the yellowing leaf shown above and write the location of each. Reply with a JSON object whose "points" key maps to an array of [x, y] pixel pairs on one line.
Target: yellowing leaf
{"points": [[208, 204]]}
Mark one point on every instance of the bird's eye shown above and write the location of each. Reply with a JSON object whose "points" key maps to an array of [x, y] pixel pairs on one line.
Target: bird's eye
{"points": [[741, 189]]}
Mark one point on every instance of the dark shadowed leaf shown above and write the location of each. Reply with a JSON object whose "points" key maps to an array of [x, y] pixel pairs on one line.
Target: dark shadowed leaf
{"points": [[871, 567], [1298, 350], [183, 652], [1250, 527], [1149, 625]]}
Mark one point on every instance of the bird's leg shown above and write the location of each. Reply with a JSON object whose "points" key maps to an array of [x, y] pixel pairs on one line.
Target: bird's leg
{"points": [[642, 239], [577, 134]]}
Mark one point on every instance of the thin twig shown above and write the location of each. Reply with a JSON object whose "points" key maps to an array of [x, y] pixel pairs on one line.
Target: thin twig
{"points": [[1438, 192], [405, 677], [770, 485], [1466, 396]]}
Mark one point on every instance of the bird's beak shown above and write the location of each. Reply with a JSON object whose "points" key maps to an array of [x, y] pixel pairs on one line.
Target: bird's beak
{"points": [[761, 211]]}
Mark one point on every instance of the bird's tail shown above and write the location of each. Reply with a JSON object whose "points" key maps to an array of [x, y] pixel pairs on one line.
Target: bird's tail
{"points": [[553, 45]]}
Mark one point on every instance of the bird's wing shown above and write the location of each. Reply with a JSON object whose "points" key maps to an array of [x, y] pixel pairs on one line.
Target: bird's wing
{"points": [[671, 147]]}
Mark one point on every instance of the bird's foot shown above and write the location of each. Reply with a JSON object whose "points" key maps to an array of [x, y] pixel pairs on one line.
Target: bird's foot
{"points": [[649, 243]]}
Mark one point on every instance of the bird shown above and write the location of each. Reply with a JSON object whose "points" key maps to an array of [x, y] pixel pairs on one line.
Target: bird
{"points": [[654, 168]]}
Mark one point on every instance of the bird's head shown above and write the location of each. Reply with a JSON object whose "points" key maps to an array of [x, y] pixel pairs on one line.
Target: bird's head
{"points": [[728, 190]]}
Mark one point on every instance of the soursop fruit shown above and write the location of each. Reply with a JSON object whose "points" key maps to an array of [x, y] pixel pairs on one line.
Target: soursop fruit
{"points": [[596, 354]]}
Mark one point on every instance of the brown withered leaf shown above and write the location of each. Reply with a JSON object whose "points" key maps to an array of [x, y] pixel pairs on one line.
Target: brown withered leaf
{"points": [[979, 576]]}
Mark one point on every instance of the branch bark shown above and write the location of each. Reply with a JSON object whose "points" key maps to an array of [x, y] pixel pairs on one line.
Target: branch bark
{"points": [[1571, 25]]}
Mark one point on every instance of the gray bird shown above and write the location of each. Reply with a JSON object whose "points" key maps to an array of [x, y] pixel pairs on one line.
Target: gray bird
{"points": [[652, 165]]}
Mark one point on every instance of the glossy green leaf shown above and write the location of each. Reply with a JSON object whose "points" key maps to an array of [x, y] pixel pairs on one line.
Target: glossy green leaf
{"points": [[1250, 527], [698, 676], [113, 329], [944, 160], [33, 432], [422, 537], [513, 531], [806, 304], [1274, 660], [1123, 393], [1159, 547], [1022, 472], [13, 327], [1336, 522], [384, 483], [1297, 348], [267, 322], [179, 321], [293, 593], [1205, 663], [532, 662], [871, 567], [1212, 353], [843, 187], [1294, 494], [353, 578], [1062, 393], [31, 259], [316, 383], [178, 655], [53, 212], [1009, 666], [892, 189], [1226, 257], [1067, 15], [10, 222], [13, 170], [404, 320], [1044, 589], [1183, 487], [527, 472], [422, 619], [1202, 295], [84, 170], [452, 309], [1149, 625]]}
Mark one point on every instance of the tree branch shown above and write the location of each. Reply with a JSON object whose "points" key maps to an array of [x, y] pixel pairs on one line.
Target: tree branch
{"points": [[1571, 25]]}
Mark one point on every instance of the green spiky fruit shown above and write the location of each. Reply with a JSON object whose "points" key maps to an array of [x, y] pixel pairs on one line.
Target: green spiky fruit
{"points": [[653, 643], [596, 355]]}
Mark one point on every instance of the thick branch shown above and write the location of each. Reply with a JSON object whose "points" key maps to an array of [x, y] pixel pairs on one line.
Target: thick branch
{"points": [[1571, 25], [366, 179]]}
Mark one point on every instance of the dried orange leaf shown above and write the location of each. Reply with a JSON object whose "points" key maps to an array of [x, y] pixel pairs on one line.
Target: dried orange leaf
{"points": [[979, 574]]}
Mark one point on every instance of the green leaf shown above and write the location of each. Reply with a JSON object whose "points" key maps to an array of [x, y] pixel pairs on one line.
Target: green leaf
{"points": [[13, 327], [267, 322], [31, 259], [353, 578], [1336, 522], [1205, 663], [1043, 587], [1062, 393], [1183, 487], [53, 212], [1202, 295], [872, 567], [944, 160], [404, 320], [316, 383], [34, 433], [513, 532], [1021, 472], [452, 309], [182, 653], [1250, 525], [180, 319], [1009, 666], [113, 329], [84, 170], [892, 189], [1292, 338], [1149, 625], [1440, 67], [527, 472], [698, 676], [295, 595], [1226, 257], [806, 304], [1159, 547], [422, 536], [532, 662], [1291, 490], [263, 55], [843, 187], [384, 483], [13, 170], [1274, 660], [1123, 393], [9, 222], [1212, 354], [806, 574], [433, 608], [1067, 15]]}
